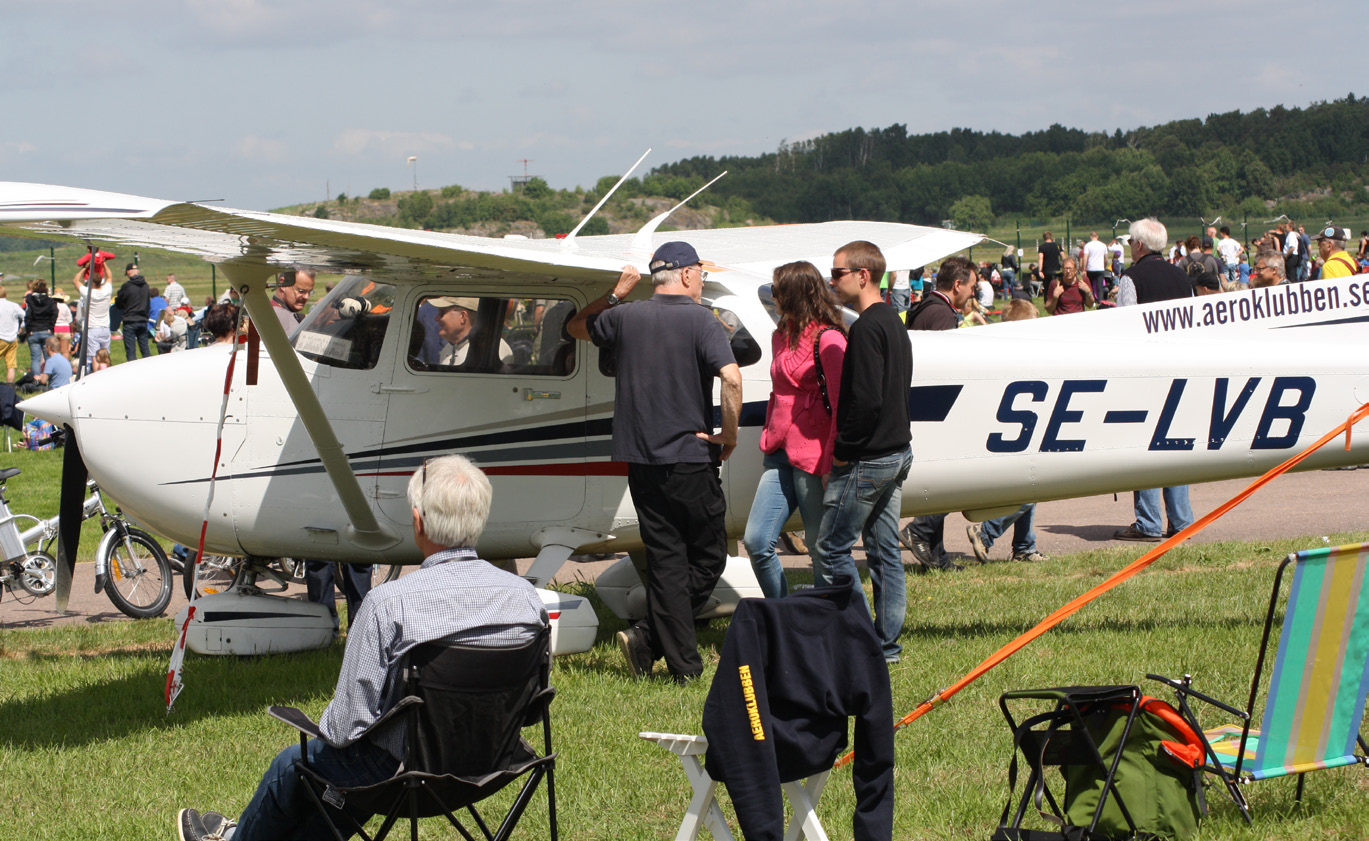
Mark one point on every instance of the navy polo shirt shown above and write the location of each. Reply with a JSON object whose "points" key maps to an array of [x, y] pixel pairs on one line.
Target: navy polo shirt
{"points": [[668, 350]]}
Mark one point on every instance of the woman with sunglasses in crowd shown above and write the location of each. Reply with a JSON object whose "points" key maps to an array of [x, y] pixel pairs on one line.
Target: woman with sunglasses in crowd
{"points": [[807, 349]]}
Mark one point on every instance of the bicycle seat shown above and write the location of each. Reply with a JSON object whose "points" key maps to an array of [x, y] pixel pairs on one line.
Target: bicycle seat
{"points": [[9, 473]]}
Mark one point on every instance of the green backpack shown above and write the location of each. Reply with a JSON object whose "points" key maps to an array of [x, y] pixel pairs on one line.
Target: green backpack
{"points": [[1159, 776]]}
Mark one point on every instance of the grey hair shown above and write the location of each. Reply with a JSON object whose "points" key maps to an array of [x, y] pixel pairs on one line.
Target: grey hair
{"points": [[1151, 232], [452, 496], [1273, 260], [668, 277]]}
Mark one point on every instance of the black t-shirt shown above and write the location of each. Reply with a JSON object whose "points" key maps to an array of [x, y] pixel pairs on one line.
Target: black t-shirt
{"points": [[1050, 257], [668, 350]]}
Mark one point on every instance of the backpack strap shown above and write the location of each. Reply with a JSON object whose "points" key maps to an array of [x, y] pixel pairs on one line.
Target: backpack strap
{"points": [[817, 363], [1354, 269]]}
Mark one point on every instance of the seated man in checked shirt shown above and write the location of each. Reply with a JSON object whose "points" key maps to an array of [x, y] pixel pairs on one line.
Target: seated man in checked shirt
{"points": [[454, 597]]}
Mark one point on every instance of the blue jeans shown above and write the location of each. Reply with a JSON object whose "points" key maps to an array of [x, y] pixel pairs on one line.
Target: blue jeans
{"points": [[37, 356], [782, 489], [139, 332], [1023, 536], [1177, 509], [900, 299], [282, 808], [863, 498]]}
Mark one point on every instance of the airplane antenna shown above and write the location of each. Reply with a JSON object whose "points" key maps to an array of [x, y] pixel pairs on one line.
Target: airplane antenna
{"points": [[570, 237], [641, 241]]}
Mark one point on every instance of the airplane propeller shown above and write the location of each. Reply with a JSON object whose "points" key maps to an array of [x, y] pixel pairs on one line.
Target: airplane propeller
{"points": [[70, 511]]}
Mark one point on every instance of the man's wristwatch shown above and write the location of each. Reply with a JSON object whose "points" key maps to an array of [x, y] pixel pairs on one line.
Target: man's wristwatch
{"points": [[613, 300]]}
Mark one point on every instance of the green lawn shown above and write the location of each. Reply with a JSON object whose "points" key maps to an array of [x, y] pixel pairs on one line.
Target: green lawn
{"points": [[89, 752]]}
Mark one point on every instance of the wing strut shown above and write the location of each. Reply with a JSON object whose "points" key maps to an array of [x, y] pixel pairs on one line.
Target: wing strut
{"points": [[365, 531]]}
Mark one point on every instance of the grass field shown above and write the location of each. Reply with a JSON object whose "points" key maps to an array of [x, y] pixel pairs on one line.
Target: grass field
{"points": [[89, 752]]}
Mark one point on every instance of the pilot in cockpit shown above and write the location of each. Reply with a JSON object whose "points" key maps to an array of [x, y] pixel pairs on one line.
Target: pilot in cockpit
{"points": [[457, 325]]}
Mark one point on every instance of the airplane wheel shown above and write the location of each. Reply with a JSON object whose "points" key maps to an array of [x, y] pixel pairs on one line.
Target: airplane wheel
{"points": [[38, 574], [218, 573], [381, 573], [139, 582]]}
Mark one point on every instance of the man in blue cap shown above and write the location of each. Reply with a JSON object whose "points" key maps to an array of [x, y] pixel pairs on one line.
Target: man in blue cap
{"points": [[667, 350]]}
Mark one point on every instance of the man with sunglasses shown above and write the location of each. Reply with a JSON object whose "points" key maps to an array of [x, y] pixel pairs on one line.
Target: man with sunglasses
{"points": [[871, 456], [667, 350]]}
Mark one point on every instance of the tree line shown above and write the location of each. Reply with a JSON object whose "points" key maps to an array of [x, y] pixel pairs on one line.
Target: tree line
{"points": [[1302, 160]]}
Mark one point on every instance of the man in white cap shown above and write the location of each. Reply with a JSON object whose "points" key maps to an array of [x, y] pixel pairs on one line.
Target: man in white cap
{"points": [[457, 320], [667, 351]]}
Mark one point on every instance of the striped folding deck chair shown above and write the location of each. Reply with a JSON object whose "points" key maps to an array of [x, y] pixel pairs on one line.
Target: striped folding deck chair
{"points": [[1314, 709]]}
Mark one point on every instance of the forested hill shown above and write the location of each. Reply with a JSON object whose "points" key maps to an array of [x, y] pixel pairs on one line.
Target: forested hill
{"points": [[1302, 160]]}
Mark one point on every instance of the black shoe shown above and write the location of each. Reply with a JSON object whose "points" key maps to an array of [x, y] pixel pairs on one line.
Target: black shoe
{"points": [[910, 542], [1133, 533], [189, 827], [636, 652], [946, 566], [684, 680], [216, 825], [1171, 531]]}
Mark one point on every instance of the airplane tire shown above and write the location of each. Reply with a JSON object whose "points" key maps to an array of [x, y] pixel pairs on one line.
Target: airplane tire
{"points": [[139, 574]]}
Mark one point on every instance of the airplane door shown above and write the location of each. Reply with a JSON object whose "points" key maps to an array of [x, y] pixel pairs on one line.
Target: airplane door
{"points": [[494, 378], [346, 348]]}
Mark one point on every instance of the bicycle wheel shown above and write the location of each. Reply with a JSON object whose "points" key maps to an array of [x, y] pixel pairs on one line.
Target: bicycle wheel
{"points": [[38, 573], [380, 573], [139, 575], [218, 573]]}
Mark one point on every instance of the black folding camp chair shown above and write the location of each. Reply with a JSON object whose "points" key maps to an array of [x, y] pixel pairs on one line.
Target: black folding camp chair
{"points": [[464, 712]]}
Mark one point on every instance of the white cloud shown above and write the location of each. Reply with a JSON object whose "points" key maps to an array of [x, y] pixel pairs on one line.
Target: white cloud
{"points": [[256, 148], [14, 148], [359, 142]]}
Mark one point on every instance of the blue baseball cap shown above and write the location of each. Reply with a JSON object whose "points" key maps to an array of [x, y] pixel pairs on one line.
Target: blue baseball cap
{"points": [[673, 255]]}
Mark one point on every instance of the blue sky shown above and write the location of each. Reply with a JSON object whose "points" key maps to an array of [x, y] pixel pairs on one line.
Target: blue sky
{"points": [[263, 104]]}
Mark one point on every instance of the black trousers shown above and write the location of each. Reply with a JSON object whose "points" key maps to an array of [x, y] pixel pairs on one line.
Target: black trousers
{"points": [[319, 577], [680, 510]]}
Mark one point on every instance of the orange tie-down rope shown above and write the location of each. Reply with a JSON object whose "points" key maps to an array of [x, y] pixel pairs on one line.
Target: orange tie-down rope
{"points": [[1118, 577]]}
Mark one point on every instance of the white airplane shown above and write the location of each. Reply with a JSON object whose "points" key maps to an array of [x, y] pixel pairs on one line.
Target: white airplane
{"points": [[323, 432]]}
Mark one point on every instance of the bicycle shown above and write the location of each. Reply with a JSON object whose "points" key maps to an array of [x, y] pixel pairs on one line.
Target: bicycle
{"points": [[130, 566], [220, 573]]}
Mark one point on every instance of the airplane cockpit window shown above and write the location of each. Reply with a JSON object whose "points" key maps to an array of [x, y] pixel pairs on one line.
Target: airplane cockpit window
{"points": [[488, 335], [347, 329], [745, 348]]}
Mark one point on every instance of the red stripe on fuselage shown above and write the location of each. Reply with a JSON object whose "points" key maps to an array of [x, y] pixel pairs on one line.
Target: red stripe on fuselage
{"points": [[589, 468]]}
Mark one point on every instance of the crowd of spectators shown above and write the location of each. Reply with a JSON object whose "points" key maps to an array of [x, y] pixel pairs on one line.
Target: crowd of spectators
{"points": [[147, 319]]}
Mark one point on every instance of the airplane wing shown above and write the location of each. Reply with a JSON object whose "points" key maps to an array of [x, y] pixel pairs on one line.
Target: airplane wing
{"points": [[223, 234]]}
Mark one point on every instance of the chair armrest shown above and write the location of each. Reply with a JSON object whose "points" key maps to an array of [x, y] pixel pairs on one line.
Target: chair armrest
{"points": [[1186, 689], [295, 719], [404, 704]]}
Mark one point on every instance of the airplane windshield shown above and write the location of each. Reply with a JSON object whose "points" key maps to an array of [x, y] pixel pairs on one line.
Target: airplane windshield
{"points": [[347, 329]]}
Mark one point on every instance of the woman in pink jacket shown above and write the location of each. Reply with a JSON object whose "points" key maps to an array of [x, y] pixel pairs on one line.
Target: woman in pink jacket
{"points": [[800, 422]]}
